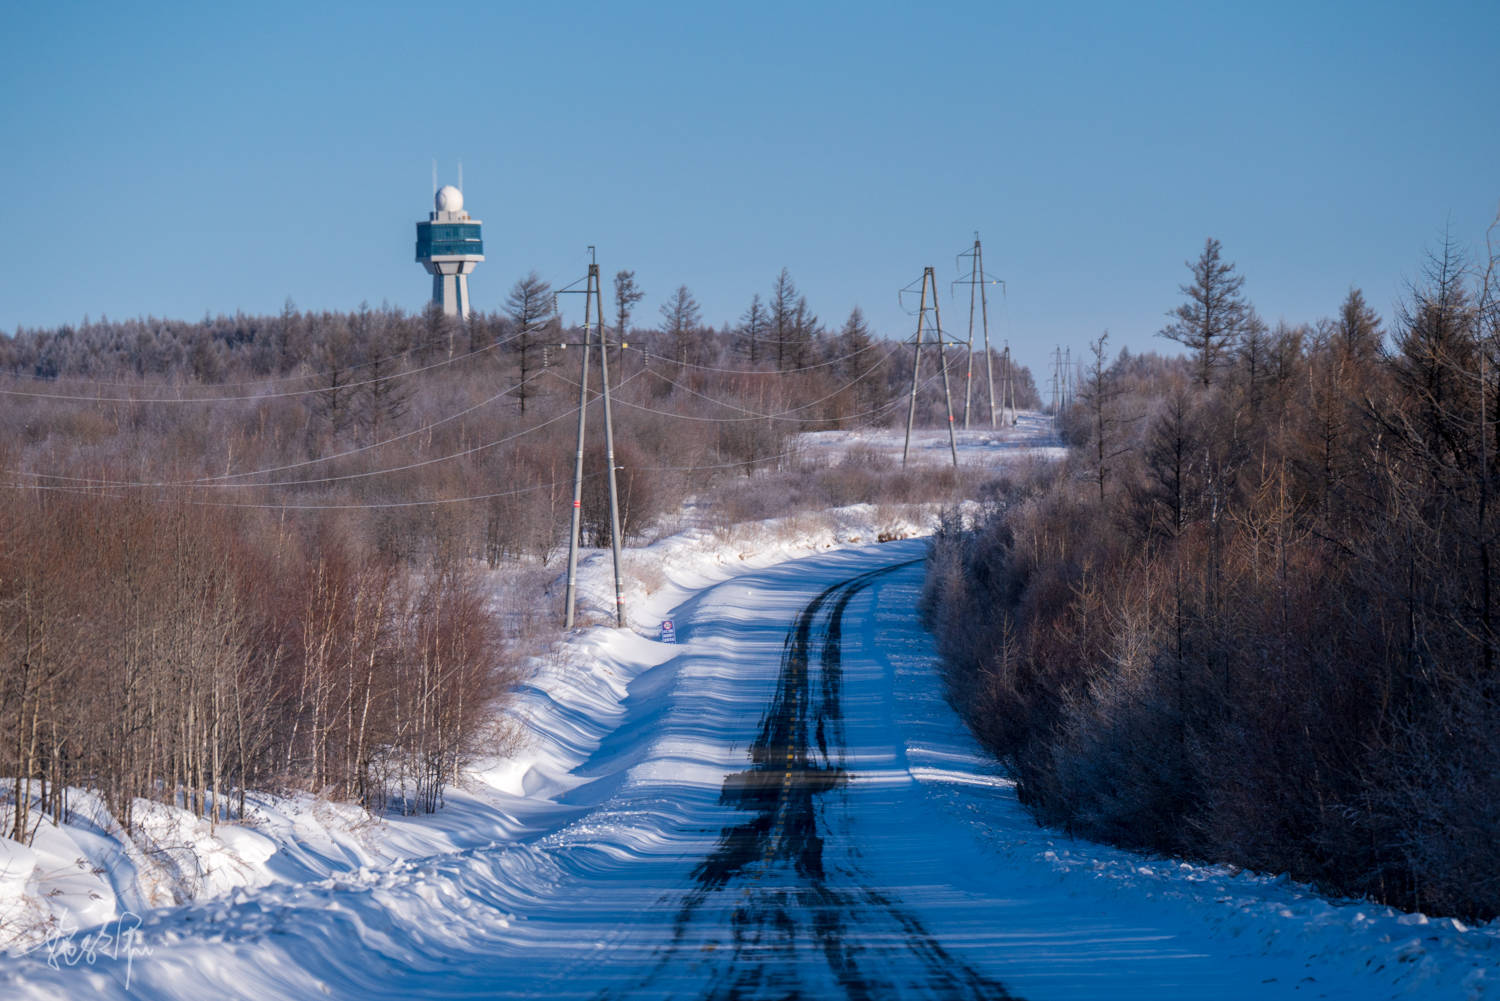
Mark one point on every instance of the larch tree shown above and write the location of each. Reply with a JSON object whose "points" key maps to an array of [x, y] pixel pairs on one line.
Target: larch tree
{"points": [[805, 332], [853, 344], [1253, 353], [858, 363], [682, 320], [783, 309], [752, 330], [1215, 315], [1100, 395], [627, 294], [337, 356], [1359, 327], [529, 303], [386, 396]]}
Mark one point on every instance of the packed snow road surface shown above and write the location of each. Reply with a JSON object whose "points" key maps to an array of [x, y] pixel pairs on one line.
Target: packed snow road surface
{"points": [[783, 905], [782, 805]]}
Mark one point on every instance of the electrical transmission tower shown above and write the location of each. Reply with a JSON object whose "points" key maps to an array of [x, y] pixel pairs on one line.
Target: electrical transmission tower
{"points": [[1056, 382], [593, 318], [977, 280], [1064, 381], [928, 278], [1007, 389], [1067, 378]]}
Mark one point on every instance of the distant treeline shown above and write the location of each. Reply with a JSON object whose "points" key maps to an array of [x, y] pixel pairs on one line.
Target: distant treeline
{"points": [[1253, 617], [239, 553]]}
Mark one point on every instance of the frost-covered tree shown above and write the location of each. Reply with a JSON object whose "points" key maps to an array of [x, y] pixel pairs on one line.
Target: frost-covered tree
{"points": [[682, 326], [752, 330]]}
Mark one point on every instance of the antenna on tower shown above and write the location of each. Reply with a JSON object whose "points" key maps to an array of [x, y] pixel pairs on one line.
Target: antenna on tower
{"points": [[434, 177], [460, 175]]}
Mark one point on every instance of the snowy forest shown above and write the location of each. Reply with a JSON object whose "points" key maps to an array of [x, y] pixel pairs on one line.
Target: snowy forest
{"points": [[244, 552], [1253, 618]]}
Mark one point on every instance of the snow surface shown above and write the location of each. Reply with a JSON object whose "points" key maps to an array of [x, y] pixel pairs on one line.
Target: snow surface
{"points": [[88, 872], [575, 868], [1031, 437]]}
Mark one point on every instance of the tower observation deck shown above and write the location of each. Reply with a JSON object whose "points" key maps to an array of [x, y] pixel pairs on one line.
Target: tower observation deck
{"points": [[449, 247]]}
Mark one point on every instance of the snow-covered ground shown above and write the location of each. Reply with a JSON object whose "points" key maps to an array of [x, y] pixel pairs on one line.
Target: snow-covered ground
{"points": [[780, 801], [88, 873], [1031, 436]]}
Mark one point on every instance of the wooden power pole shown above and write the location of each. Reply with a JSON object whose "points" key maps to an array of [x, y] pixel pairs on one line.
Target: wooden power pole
{"points": [[593, 318]]}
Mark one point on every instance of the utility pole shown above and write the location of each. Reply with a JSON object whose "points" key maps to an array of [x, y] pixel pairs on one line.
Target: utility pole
{"points": [[1010, 375], [1056, 382], [928, 278], [976, 279], [1068, 377], [593, 316], [1007, 389]]}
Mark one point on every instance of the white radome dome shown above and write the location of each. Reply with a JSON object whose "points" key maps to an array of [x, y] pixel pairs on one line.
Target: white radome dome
{"points": [[449, 199]]}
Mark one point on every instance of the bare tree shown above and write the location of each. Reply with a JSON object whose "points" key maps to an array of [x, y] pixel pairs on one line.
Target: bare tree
{"points": [[1100, 396], [386, 395], [338, 356], [1253, 353]]}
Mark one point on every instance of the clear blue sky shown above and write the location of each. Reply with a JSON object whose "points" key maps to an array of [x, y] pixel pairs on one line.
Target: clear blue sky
{"points": [[177, 160]]}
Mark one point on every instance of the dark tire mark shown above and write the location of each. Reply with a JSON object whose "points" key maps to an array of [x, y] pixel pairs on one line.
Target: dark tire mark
{"points": [[782, 789]]}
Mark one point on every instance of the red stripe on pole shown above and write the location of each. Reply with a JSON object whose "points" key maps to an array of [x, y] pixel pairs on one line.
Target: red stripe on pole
{"points": [[577, 503]]}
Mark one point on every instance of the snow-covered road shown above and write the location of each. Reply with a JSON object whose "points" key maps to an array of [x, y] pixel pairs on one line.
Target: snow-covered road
{"points": [[782, 805]]}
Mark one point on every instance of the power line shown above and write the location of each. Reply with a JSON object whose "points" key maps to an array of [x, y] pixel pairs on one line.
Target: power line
{"points": [[213, 481], [84, 487], [827, 363], [751, 416], [209, 482], [709, 467], [760, 416], [282, 506]]}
